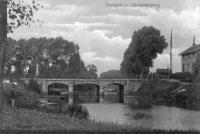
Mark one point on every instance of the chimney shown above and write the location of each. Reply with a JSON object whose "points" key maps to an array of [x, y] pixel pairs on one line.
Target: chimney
{"points": [[194, 41]]}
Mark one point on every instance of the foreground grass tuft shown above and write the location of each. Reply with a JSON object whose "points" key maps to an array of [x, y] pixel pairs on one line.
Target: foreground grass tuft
{"points": [[95, 132]]}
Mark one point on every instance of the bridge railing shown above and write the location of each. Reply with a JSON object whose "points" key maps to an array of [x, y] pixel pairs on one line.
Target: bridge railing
{"points": [[81, 79]]}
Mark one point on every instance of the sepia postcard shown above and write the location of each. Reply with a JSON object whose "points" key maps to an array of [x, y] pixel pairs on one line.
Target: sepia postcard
{"points": [[99, 66]]}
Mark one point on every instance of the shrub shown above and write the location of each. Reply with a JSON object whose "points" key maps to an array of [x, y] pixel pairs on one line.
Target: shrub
{"points": [[73, 111], [34, 86], [23, 97], [183, 76], [53, 108], [27, 100], [77, 111]]}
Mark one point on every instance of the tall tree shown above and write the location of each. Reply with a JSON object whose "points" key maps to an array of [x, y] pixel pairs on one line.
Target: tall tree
{"points": [[3, 38], [21, 13], [18, 15], [55, 57], [146, 44]]}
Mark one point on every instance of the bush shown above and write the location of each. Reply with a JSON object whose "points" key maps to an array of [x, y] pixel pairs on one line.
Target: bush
{"points": [[73, 111], [27, 100], [51, 108], [23, 97], [183, 76], [34, 86], [77, 111]]}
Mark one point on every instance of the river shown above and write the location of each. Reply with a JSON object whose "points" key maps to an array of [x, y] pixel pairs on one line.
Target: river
{"points": [[157, 117]]}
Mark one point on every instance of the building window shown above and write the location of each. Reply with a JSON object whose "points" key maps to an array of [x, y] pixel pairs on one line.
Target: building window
{"points": [[188, 67], [183, 67]]}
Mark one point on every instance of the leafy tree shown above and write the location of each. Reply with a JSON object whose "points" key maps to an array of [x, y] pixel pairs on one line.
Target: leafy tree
{"points": [[21, 13], [9, 54], [34, 86], [53, 58], [60, 52], [13, 14], [3, 37], [92, 70], [76, 67], [146, 43]]}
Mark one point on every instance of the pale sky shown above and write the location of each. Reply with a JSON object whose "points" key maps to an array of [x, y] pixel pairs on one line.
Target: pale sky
{"points": [[103, 33]]}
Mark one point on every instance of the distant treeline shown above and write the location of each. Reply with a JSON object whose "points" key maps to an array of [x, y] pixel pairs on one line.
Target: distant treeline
{"points": [[46, 58]]}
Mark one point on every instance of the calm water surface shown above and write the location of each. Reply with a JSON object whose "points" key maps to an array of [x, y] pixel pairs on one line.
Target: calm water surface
{"points": [[158, 117]]}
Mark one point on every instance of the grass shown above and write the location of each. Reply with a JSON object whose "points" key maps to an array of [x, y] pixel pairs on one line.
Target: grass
{"points": [[23, 121], [35, 120], [96, 132]]}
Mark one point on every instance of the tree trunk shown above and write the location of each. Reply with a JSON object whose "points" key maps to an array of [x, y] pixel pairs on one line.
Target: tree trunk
{"points": [[3, 40]]}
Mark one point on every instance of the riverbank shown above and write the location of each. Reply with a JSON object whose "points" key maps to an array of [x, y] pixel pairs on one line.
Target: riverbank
{"points": [[23, 121], [26, 119], [171, 93]]}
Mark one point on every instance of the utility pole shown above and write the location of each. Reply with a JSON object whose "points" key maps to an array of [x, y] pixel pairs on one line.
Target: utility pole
{"points": [[3, 40], [171, 56]]}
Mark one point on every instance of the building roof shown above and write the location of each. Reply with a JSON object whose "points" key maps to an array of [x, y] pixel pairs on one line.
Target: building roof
{"points": [[162, 70], [190, 50]]}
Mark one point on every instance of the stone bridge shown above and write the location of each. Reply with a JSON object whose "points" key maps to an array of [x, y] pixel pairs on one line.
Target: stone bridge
{"points": [[125, 85]]}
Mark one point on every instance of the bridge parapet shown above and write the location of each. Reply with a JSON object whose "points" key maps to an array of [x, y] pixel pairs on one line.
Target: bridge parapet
{"points": [[128, 84]]}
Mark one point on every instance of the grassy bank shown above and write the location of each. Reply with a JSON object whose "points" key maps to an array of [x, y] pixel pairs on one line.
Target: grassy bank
{"points": [[157, 90], [163, 92], [36, 120], [23, 121]]}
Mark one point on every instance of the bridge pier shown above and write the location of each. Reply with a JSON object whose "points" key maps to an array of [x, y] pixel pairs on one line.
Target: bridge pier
{"points": [[70, 100], [101, 91], [44, 87]]}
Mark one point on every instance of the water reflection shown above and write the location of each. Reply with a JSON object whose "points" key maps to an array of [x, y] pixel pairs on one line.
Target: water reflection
{"points": [[107, 98], [157, 117]]}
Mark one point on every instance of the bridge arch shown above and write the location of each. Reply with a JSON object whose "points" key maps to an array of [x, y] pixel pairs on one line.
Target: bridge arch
{"points": [[86, 92], [120, 91], [49, 82], [57, 88]]}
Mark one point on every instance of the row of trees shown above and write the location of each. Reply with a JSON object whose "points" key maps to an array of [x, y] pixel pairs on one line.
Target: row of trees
{"points": [[47, 58]]}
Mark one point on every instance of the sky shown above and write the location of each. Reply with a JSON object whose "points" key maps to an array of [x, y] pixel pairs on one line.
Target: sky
{"points": [[104, 31]]}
